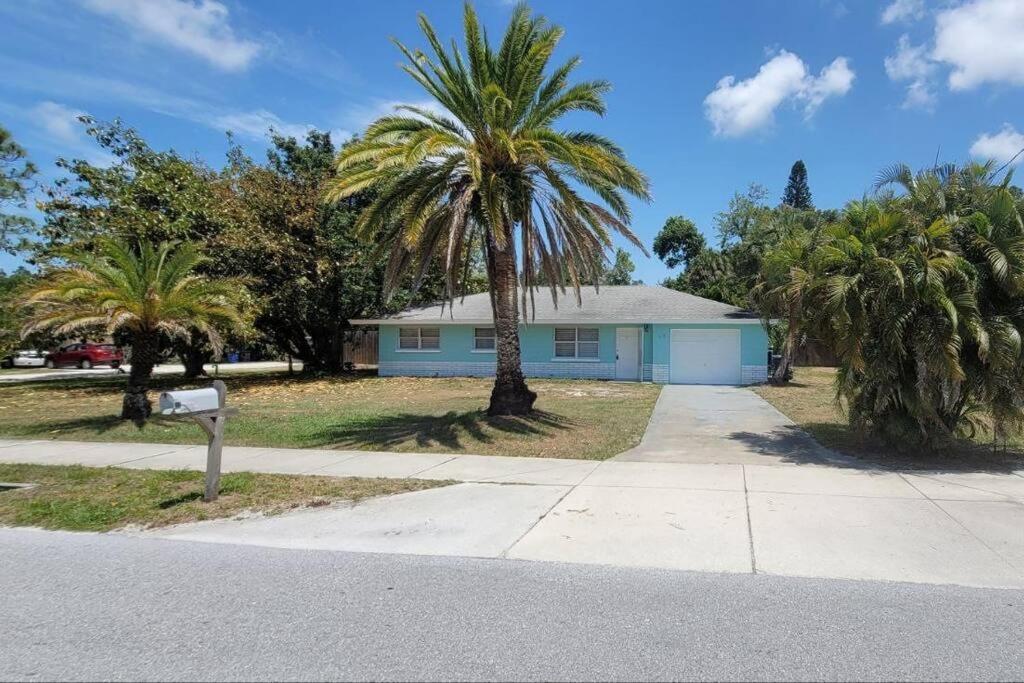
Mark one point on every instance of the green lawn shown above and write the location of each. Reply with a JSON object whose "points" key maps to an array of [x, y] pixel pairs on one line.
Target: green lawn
{"points": [[810, 401], [574, 419], [104, 498]]}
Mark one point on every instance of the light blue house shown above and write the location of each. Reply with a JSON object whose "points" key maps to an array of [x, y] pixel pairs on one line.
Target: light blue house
{"points": [[621, 333]]}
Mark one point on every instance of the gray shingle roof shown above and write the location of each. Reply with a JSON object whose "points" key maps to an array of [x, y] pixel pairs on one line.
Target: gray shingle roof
{"points": [[632, 303]]}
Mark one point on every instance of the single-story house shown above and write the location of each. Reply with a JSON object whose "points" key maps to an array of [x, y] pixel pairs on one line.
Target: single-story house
{"points": [[622, 333]]}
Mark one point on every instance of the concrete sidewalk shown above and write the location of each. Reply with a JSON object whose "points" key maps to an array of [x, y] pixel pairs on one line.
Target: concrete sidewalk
{"points": [[798, 520]]}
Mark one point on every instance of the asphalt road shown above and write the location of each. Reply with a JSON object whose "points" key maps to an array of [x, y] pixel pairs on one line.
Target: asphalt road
{"points": [[124, 608]]}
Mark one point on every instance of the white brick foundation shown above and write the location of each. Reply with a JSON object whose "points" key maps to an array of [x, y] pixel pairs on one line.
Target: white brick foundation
{"points": [[568, 369], [659, 374], [753, 374], [653, 372], [574, 370]]}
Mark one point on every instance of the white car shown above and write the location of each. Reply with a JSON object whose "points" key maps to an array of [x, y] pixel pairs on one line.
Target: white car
{"points": [[25, 358]]}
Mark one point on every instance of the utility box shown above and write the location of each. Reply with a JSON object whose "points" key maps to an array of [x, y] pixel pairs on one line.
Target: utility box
{"points": [[189, 401]]}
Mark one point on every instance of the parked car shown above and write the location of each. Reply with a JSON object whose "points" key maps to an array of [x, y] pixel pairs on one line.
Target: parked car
{"points": [[23, 358], [85, 355]]}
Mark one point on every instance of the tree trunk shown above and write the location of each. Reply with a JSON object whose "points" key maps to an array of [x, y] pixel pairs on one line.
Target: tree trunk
{"points": [[136, 406], [194, 357], [510, 395], [785, 366]]}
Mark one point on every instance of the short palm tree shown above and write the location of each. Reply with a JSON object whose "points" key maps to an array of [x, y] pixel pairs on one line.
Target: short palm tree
{"points": [[145, 293], [786, 279], [487, 170]]}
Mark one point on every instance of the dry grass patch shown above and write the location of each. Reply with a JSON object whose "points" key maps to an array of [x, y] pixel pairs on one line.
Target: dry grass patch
{"points": [[104, 498], [810, 401], [574, 419]]}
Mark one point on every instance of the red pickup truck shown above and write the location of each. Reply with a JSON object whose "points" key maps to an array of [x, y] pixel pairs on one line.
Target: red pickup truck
{"points": [[85, 355]]}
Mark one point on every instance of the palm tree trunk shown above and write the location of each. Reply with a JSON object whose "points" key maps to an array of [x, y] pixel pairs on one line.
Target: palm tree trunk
{"points": [[783, 369], [510, 395], [136, 406]]}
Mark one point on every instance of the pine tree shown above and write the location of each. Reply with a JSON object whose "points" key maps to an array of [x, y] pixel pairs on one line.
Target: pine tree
{"points": [[798, 192]]}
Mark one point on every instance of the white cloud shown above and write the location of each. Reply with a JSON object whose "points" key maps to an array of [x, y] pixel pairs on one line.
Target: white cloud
{"points": [[85, 87], [254, 124], [58, 121], [911, 63], [1001, 146], [57, 127], [360, 116], [835, 80], [197, 26], [983, 40], [903, 10], [735, 108]]}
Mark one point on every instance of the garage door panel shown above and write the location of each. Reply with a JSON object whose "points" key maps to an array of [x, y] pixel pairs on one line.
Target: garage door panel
{"points": [[704, 357]]}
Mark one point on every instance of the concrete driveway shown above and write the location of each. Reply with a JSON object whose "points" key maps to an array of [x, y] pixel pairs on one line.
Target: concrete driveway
{"points": [[716, 424]]}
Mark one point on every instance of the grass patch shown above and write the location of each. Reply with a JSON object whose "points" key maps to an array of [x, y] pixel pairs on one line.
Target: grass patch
{"points": [[103, 498], [810, 401], [574, 418]]}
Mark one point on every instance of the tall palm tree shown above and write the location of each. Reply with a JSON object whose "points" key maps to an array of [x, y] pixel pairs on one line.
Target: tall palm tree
{"points": [[146, 293], [486, 169]]}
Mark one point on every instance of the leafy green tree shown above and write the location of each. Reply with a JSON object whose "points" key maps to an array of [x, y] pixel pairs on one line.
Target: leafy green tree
{"points": [[491, 172], [746, 218], [302, 256], [145, 196], [621, 272], [797, 194], [144, 293], [678, 242], [15, 177], [711, 276], [10, 320]]}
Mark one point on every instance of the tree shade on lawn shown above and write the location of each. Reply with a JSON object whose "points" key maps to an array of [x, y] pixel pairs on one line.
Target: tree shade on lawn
{"points": [[486, 170], [144, 293]]}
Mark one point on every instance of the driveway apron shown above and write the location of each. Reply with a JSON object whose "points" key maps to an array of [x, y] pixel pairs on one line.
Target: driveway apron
{"points": [[722, 425]]}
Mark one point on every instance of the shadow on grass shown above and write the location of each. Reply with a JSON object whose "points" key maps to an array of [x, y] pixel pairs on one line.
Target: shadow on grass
{"points": [[843, 448], [180, 500], [389, 431], [96, 424]]}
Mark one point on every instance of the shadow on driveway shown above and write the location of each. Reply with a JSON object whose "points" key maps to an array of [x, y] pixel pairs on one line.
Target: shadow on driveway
{"points": [[793, 445]]}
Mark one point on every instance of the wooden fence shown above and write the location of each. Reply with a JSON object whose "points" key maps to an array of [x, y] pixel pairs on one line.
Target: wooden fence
{"points": [[361, 347]]}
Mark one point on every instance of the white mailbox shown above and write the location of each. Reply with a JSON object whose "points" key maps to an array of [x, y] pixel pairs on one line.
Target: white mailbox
{"points": [[189, 401], [207, 408]]}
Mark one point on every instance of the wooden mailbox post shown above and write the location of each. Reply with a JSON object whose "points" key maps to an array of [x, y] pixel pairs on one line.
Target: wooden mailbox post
{"points": [[210, 413]]}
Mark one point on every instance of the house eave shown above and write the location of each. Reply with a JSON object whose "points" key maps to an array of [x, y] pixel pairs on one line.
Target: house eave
{"points": [[559, 321]]}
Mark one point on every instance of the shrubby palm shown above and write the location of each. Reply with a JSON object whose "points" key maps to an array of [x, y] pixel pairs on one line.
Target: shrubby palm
{"points": [[490, 172], [786, 280], [920, 294], [144, 293]]}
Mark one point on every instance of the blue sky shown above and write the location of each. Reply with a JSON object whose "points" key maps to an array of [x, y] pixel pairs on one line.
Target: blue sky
{"points": [[707, 97]]}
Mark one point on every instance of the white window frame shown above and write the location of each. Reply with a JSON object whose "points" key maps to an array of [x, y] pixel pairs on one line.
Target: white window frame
{"points": [[575, 358], [493, 336], [419, 339]]}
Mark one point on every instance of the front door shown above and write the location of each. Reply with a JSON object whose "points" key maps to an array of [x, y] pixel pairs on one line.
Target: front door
{"points": [[627, 353]]}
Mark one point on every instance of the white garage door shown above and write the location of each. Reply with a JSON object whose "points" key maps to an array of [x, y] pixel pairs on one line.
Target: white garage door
{"points": [[705, 357]]}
